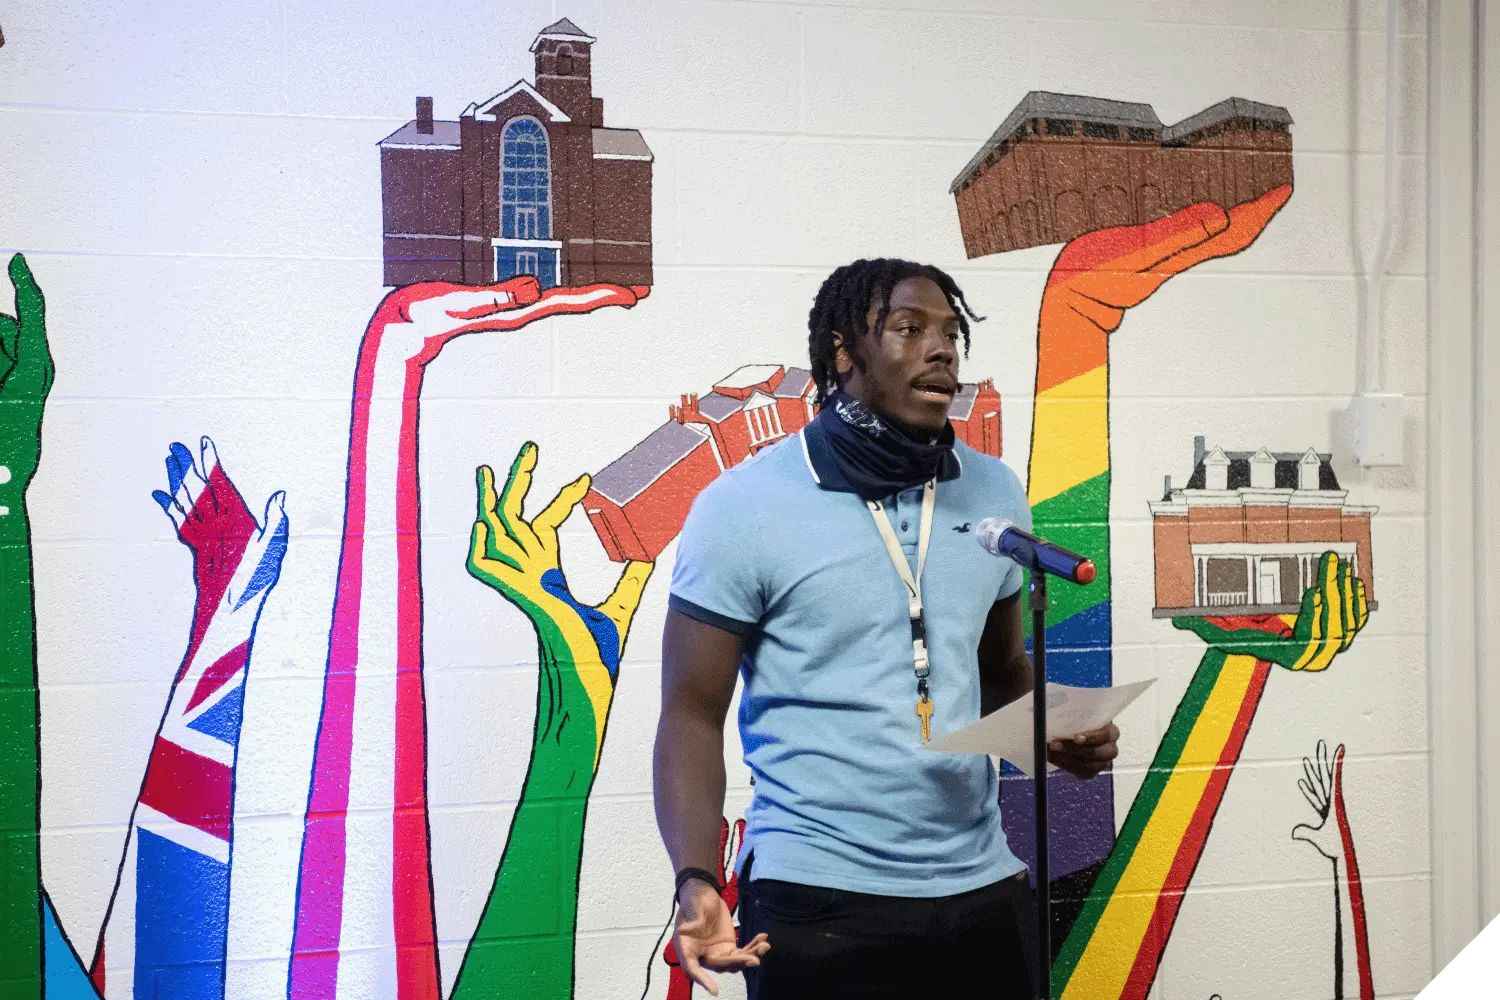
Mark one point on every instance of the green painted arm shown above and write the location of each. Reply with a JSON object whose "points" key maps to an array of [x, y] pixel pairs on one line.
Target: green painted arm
{"points": [[26, 374]]}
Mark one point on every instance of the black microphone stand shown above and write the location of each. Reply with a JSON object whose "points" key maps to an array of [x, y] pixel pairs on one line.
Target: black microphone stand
{"points": [[1038, 605]]}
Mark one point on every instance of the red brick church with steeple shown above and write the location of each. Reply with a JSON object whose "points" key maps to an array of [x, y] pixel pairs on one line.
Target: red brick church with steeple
{"points": [[526, 182]]}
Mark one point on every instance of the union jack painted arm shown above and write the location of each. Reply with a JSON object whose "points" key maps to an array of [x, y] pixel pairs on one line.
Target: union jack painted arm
{"points": [[169, 912]]}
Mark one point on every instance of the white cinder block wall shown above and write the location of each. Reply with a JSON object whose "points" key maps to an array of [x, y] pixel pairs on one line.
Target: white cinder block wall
{"points": [[197, 189]]}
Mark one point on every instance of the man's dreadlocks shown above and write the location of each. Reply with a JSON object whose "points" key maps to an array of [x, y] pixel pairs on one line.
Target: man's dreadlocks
{"points": [[843, 306]]}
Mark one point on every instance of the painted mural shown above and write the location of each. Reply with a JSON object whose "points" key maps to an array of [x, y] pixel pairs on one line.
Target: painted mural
{"points": [[525, 208], [639, 502], [524, 941]]}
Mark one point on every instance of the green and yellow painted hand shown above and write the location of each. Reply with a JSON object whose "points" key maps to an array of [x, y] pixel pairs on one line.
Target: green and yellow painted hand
{"points": [[1333, 611], [523, 945]]}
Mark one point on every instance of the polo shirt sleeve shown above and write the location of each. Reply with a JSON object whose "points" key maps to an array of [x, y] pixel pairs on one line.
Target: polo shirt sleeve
{"points": [[717, 578], [1020, 515]]}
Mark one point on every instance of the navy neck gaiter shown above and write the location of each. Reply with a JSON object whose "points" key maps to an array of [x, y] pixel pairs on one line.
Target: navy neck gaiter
{"points": [[854, 450]]}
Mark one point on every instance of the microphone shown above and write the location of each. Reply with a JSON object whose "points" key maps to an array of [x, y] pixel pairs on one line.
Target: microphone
{"points": [[1000, 537]]}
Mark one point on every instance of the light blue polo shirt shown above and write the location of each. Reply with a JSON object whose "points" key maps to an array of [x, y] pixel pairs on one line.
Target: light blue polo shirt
{"points": [[844, 794]]}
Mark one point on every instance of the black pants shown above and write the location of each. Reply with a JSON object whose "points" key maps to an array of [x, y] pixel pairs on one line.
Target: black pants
{"points": [[829, 943]]}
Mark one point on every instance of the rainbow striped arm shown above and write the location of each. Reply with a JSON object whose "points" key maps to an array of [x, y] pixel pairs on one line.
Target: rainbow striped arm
{"points": [[26, 374], [364, 922], [1094, 281], [523, 944], [1116, 943]]}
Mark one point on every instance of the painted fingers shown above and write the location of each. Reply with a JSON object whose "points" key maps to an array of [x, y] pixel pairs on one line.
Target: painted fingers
{"points": [[1124, 267], [1334, 609], [26, 368], [620, 606]]}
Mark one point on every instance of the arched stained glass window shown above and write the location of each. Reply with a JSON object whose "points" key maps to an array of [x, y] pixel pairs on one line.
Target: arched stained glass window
{"points": [[525, 182]]}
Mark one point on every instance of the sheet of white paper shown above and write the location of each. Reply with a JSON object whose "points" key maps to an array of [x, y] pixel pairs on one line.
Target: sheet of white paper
{"points": [[1007, 733]]}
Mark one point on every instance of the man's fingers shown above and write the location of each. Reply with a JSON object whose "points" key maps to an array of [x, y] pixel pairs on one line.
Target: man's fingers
{"points": [[758, 945], [1094, 737], [696, 972], [726, 959]]}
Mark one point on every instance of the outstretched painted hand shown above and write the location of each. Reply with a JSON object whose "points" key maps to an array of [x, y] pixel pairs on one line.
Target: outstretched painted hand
{"points": [[428, 315], [1101, 274], [25, 377], [26, 374], [580, 645], [1334, 609], [236, 561], [1322, 783]]}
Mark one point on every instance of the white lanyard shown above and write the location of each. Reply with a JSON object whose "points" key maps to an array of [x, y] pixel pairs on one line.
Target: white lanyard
{"points": [[913, 588]]}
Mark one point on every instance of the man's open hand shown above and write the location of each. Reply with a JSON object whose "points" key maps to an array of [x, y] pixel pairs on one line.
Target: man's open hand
{"points": [[1084, 755], [705, 939]]}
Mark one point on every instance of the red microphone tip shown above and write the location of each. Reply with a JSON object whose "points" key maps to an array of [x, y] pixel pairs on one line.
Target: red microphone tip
{"points": [[1085, 572]]}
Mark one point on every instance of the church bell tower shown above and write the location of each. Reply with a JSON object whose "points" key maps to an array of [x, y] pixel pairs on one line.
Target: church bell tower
{"points": [[563, 73]]}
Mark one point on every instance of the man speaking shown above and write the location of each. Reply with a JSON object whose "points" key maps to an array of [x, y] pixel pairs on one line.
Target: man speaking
{"points": [[837, 570]]}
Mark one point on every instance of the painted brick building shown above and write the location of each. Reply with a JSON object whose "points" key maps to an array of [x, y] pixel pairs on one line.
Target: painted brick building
{"points": [[526, 182], [638, 502], [1246, 533], [1061, 165]]}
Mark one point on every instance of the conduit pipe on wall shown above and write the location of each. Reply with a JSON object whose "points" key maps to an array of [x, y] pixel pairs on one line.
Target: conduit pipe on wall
{"points": [[1375, 276], [1378, 418]]}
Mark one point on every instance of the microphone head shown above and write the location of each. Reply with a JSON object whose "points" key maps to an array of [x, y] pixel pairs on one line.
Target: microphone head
{"points": [[989, 531], [1086, 572]]}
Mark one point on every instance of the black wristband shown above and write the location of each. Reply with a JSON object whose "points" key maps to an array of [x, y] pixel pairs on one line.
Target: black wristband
{"points": [[703, 874]]}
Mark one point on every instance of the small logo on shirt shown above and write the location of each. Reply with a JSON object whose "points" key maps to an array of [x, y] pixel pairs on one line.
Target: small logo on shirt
{"points": [[962, 529]]}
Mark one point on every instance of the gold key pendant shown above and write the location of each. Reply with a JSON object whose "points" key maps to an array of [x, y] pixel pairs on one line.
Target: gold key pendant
{"points": [[924, 710]]}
